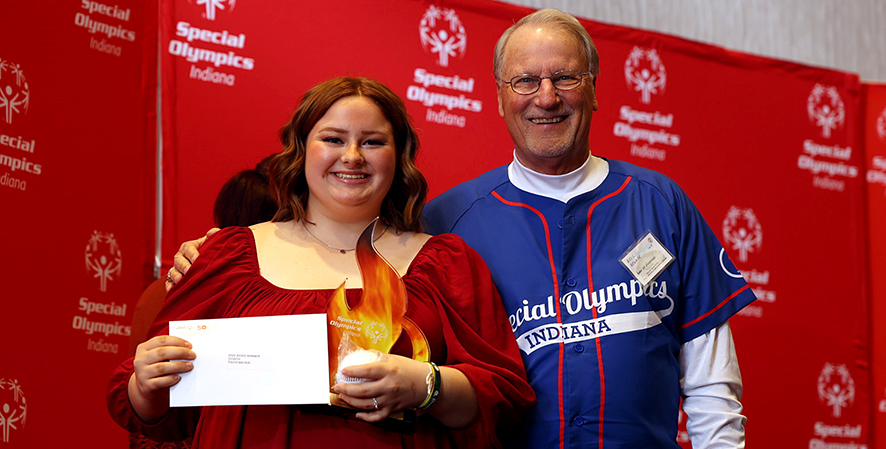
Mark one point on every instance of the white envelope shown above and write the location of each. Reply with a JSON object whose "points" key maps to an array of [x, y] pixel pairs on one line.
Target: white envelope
{"points": [[254, 360]]}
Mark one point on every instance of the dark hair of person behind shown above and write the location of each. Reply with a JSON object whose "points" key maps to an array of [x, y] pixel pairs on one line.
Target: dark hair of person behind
{"points": [[402, 206], [245, 199]]}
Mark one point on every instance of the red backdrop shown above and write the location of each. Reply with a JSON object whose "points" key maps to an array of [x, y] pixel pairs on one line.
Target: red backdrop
{"points": [[770, 151], [875, 149], [76, 194]]}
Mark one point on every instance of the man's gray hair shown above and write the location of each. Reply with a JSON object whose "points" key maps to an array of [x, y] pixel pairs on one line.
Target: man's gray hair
{"points": [[555, 19]]}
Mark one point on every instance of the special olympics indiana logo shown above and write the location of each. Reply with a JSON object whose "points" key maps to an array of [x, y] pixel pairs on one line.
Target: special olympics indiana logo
{"points": [[15, 94], [836, 388], [13, 408], [881, 125], [825, 108], [376, 331], [742, 231], [442, 33], [103, 258], [212, 5], [645, 73]]}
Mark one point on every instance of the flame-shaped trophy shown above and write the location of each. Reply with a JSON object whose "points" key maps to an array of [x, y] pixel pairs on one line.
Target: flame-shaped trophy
{"points": [[378, 319]]}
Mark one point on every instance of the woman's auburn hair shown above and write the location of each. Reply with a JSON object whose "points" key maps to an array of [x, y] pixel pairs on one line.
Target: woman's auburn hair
{"points": [[403, 204]]}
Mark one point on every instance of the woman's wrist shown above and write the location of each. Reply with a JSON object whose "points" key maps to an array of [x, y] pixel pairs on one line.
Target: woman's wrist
{"points": [[434, 383], [144, 405]]}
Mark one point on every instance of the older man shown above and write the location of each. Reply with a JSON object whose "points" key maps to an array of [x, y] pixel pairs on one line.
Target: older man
{"points": [[617, 290]]}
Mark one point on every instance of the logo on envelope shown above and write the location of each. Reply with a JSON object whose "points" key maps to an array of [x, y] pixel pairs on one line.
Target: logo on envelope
{"points": [[443, 34], [645, 73]]}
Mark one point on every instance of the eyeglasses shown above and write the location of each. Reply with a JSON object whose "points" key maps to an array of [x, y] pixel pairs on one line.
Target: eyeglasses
{"points": [[563, 80]]}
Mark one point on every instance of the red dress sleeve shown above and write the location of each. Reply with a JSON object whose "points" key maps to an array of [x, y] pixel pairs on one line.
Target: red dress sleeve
{"points": [[209, 290], [479, 341]]}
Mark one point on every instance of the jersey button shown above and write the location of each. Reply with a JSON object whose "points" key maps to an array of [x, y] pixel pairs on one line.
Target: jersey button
{"points": [[570, 282], [579, 421], [579, 347]]}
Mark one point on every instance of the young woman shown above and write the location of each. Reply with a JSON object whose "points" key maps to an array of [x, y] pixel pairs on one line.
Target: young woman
{"points": [[348, 158]]}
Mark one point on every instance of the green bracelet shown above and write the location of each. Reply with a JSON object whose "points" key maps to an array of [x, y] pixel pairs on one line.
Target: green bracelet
{"points": [[432, 394]]}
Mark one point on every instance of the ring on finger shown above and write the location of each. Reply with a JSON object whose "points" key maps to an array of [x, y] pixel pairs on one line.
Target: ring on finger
{"points": [[169, 276], [375, 403]]}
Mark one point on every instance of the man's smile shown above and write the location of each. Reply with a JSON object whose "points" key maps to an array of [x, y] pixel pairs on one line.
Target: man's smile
{"points": [[547, 120]]}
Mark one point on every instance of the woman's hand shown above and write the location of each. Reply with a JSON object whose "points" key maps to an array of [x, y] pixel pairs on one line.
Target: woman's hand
{"points": [[396, 384], [158, 363]]}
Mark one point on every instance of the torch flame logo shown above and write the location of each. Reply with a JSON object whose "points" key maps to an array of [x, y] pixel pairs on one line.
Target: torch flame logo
{"points": [[380, 314]]}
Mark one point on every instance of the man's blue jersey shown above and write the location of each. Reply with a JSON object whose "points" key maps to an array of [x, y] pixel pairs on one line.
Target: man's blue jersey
{"points": [[600, 348]]}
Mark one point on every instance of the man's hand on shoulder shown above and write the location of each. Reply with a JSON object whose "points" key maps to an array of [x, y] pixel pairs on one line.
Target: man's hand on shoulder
{"points": [[186, 255]]}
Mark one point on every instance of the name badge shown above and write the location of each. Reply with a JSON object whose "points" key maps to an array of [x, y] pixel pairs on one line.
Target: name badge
{"points": [[646, 259]]}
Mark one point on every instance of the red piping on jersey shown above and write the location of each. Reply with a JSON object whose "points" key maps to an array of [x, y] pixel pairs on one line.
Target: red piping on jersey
{"points": [[594, 309], [544, 222], [723, 303]]}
